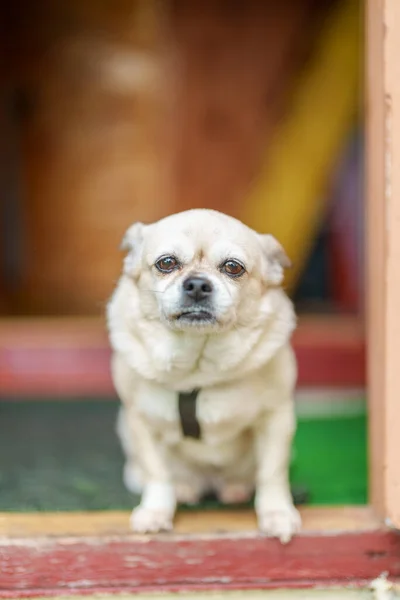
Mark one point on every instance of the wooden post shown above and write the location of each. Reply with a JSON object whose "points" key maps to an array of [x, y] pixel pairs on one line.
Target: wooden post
{"points": [[383, 254]]}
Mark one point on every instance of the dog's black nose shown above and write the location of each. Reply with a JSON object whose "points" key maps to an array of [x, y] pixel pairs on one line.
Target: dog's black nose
{"points": [[197, 288]]}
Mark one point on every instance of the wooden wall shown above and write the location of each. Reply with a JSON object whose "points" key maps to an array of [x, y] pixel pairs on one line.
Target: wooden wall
{"points": [[90, 74], [130, 110], [238, 62]]}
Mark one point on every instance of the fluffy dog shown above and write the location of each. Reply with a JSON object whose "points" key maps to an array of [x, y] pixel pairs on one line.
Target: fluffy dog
{"points": [[199, 314]]}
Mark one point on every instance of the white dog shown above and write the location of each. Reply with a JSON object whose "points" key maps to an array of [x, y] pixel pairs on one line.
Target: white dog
{"points": [[200, 331]]}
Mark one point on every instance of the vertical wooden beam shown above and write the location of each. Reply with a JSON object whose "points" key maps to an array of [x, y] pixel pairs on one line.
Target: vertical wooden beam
{"points": [[392, 275], [383, 254], [375, 251]]}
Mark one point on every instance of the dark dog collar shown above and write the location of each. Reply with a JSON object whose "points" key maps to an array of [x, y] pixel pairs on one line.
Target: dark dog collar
{"points": [[187, 402]]}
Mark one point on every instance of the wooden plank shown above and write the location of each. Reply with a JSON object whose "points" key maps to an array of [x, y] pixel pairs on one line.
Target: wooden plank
{"points": [[201, 563], [112, 561], [111, 523], [383, 253], [70, 357], [375, 246], [391, 276]]}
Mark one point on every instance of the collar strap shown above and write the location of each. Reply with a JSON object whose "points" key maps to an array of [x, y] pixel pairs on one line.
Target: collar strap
{"points": [[187, 402]]}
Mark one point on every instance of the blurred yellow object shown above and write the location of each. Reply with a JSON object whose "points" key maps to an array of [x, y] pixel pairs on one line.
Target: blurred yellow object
{"points": [[289, 198]]}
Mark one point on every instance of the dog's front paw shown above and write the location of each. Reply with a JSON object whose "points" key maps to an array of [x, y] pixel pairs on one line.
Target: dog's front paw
{"points": [[281, 523], [146, 520]]}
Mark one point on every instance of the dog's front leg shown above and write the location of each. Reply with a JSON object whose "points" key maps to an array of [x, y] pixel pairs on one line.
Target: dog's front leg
{"points": [[157, 507], [276, 514]]}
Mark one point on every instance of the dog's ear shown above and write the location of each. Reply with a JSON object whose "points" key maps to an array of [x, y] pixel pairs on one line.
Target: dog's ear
{"points": [[132, 244], [276, 259]]}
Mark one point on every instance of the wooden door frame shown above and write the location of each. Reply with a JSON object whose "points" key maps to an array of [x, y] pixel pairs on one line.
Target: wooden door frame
{"points": [[56, 554], [383, 254]]}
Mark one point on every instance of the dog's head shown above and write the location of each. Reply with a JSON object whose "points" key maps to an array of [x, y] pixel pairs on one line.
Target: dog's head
{"points": [[201, 270]]}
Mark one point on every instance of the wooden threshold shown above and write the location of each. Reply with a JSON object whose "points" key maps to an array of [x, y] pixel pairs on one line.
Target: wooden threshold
{"points": [[75, 553], [99, 523], [66, 357]]}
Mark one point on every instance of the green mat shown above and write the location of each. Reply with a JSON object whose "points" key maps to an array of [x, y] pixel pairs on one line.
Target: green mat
{"points": [[65, 455]]}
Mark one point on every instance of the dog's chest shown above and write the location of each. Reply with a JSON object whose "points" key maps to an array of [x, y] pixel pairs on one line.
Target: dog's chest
{"points": [[189, 362], [222, 412]]}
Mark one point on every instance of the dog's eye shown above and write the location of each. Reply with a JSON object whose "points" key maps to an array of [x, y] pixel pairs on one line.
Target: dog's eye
{"points": [[167, 264], [233, 268]]}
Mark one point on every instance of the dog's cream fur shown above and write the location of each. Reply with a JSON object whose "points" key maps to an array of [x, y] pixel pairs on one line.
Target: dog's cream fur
{"points": [[242, 362]]}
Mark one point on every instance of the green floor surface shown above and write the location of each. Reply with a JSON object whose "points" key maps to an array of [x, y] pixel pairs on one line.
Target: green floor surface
{"points": [[65, 455]]}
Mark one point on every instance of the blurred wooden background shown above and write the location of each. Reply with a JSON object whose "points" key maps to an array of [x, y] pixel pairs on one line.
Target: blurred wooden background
{"points": [[116, 111]]}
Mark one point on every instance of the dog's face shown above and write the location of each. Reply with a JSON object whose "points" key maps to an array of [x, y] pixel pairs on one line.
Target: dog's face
{"points": [[201, 270]]}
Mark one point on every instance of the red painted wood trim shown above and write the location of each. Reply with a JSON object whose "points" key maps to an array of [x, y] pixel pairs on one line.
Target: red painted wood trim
{"points": [[128, 564], [326, 366], [52, 371], [71, 358]]}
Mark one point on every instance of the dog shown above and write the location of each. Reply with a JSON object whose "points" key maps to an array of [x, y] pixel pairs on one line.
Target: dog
{"points": [[199, 315]]}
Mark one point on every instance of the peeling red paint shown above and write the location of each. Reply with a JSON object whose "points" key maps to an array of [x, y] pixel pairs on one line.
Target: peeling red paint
{"points": [[60, 566]]}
